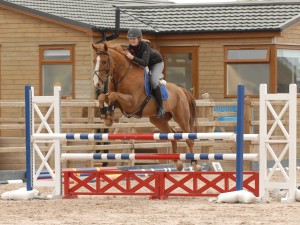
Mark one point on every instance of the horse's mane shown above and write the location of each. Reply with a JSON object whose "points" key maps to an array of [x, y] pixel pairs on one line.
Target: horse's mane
{"points": [[117, 48], [120, 50]]}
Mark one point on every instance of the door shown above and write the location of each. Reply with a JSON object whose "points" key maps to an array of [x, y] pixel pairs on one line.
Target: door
{"points": [[181, 67]]}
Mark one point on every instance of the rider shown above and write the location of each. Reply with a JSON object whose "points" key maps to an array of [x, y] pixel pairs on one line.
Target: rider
{"points": [[140, 52]]}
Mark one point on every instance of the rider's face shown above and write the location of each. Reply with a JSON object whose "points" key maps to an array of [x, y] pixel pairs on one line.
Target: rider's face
{"points": [[133, 41]]}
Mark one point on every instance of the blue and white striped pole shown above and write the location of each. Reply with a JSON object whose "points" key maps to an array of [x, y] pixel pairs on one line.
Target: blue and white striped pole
{"points": [[153, 156]]}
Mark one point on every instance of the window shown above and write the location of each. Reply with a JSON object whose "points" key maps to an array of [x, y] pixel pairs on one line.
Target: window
{"points": [[249, 66], [288, 69], [57, 68], [181, 67]]}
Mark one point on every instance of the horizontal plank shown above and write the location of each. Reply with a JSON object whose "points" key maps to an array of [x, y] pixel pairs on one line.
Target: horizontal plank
{"points": [[12, 120], [217, 114]]}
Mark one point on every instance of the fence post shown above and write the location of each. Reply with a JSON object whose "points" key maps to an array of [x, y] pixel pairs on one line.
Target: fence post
{"points": [[240, 139], [28, 137]]}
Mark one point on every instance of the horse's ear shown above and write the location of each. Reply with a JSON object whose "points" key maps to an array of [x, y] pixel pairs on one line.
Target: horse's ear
{"points": [[94, 46], [105, 46]]}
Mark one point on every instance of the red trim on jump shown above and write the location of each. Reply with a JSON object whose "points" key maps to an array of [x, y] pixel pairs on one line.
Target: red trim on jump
{"points": [[162, 156], [142, 136], [156, 184]]}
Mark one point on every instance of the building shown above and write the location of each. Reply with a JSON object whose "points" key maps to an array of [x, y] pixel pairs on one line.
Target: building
{"points": [[207, 48]]}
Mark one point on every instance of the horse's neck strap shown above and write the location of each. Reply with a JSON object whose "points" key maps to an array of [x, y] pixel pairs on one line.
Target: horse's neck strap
{"points": [[139, 111]]}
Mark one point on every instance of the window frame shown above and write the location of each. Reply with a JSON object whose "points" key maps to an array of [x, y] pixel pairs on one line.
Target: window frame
{"points": [[43, 61], [287, 47], [271, 55]]}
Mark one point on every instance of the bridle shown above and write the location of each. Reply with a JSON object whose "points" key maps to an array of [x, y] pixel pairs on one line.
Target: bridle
{"points": [[110, 73], [100, 69]]}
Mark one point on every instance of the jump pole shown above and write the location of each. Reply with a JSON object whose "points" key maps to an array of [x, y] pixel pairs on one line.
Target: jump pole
{"points": [[145, 136], [240, 138], [28, 136], [153, 156]]}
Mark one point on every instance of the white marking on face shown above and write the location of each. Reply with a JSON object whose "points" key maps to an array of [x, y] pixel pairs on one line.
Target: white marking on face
{"points": [[96, 71]]}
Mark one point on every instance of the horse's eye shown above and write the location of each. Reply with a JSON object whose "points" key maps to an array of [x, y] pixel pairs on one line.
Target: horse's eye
{"points": [[103, 62]]}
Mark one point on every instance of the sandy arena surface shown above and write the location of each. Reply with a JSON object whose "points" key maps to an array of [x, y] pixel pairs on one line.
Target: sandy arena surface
{"points": [[137, 210]]}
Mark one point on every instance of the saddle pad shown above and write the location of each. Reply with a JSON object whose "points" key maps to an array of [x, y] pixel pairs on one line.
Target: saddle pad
{"points": [[148, 91]]}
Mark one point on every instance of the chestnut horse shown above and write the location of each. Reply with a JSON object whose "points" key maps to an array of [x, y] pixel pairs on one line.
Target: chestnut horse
{"points": [[126, 91]]}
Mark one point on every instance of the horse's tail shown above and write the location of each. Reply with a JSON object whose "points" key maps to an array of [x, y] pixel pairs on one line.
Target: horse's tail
{"points": [[193, 111]]}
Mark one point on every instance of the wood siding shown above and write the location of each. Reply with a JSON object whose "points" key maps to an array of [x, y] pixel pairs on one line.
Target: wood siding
{"points": [[291, 35], [211, 60], [20, 38]]}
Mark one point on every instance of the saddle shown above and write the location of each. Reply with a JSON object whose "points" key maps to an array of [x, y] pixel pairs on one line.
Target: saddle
{"points": [[148, 89]]}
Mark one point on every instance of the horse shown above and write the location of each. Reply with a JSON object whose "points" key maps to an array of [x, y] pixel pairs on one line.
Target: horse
{"points": [[126, 91]]}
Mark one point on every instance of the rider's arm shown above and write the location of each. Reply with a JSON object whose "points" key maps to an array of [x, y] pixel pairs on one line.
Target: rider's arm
{"points": [[144, 61]]}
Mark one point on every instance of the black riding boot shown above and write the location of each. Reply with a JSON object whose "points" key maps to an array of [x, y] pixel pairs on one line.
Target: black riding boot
{"points": [[158, 96]]}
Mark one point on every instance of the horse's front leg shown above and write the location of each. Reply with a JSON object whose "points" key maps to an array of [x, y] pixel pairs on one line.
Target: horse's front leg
{"points": [[102, 99], [178, 163], [194, 164], [163, 126]]}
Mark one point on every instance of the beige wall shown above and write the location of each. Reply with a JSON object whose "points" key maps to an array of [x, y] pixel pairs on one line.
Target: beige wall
{"points": [[20, 38], [211, 60], [290, 35]]}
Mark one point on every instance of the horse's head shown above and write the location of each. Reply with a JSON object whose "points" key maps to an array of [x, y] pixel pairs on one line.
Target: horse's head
{"points": [[103, 64], [106, 65]]}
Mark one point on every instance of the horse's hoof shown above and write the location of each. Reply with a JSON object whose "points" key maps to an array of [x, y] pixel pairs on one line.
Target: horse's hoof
{"points": [[196, 167], [114, 118], [108, 122], [179, 165]]}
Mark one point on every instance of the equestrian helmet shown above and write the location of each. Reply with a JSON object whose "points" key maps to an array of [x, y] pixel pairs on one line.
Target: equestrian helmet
{"points": [[134, 33]]}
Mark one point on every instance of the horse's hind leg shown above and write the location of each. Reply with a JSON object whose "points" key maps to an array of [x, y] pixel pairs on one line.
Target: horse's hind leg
{"points": [[163, 126], [178, 163], [185, 127], [190, 144]]}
